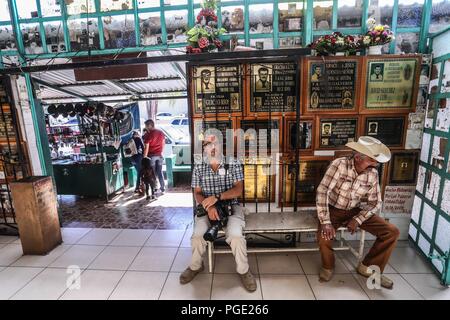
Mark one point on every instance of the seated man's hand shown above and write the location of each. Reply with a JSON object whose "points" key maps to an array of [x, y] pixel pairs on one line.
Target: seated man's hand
{"points": [[352, 226], [209, 202], [327, 231], [213, 214]]}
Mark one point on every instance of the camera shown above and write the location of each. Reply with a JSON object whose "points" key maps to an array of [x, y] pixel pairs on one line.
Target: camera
{"points": [[224, 210]]}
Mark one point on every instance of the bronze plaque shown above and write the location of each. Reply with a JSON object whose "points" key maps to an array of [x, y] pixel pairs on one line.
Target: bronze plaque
{"points": [[331, 85], [273, 87], [217, 89], [258, 183], [404, 168], [387, 130], [310, 175], [258, 125], [390, 83], [337, 132]]}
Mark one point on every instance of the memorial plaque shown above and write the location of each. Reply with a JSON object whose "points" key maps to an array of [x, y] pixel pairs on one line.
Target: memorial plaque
{"points": [[331, 85], [304, 134], [273, 87], [390, 83], [217, 89], [387, 130], [309, 177], [403, 168], [6, 123], [337, 132], [398, 200], [258, 183], [201, 126], [249, 135]]}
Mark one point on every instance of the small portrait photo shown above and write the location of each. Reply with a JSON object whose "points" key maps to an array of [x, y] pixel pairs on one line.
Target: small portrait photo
{"points": [[347, 101], [290, 102], [314, 100], [372, 129], [199, 104], [316, 72], [324, 141], [376, 71], [205, 80], [263, 75], [326, 129], [258, 102], [234, 97]]}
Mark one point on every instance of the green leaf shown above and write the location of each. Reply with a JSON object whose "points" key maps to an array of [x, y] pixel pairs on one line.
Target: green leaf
{"points": [[192, 31], [194, 38]]}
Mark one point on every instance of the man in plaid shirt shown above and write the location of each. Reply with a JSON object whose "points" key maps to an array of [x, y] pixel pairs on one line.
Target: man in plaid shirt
{"points": [[349, 195], [212, 181]]}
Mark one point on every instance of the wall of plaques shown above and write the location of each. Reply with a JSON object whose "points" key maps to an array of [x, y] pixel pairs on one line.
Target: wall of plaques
{"points": [[340, 99], [430, 221]]}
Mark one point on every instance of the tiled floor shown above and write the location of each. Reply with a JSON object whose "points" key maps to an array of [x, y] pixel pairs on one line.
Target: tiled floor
{"points": [[146, 264]]}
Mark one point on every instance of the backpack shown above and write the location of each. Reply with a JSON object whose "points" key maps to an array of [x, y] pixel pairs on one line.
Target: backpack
{"points": [[130, 149]]}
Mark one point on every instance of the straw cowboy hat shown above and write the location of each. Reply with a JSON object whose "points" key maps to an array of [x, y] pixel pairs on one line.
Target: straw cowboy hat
{"points": [[372, 148]]}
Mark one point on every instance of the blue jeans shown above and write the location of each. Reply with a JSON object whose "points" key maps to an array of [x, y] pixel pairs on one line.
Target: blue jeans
{"points": [[136, 160], [156, 163]]}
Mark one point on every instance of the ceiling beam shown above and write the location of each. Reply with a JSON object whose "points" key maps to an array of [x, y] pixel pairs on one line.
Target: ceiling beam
{"points": [[212, 58], [53, 100], [56, 88]]}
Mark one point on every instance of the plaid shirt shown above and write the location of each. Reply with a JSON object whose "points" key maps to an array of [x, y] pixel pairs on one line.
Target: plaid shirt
{"points": [[343, 188], [214, 183]]}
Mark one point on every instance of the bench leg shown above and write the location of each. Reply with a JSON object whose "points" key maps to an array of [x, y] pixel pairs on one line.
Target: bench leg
{"points": [[210, 256], [361, 245]]}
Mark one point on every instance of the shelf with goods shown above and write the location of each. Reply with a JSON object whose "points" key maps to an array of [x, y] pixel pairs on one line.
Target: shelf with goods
{"points": [[85, 154]]}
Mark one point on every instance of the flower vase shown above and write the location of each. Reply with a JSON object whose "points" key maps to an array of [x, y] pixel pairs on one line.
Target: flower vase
{"points": [[375, 50]]}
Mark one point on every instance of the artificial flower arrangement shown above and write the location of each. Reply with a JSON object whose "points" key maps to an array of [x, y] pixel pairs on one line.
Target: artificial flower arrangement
{"points": [[204, 36], [336, 42], [377, 34]]}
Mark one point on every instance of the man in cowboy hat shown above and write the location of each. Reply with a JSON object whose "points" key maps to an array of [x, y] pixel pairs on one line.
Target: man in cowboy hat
{"points": [[349, 195]]}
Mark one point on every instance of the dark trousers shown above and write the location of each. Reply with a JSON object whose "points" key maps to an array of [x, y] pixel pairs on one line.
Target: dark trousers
{"points": [[136, 160], [386, 233]]}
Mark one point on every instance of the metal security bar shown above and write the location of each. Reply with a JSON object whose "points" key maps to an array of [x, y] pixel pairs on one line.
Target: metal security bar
{"points": [[302, 36]]}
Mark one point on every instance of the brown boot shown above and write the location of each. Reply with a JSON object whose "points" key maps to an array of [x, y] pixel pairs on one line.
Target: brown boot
{"points": [[188, 275], [385, 281], [248, 281], [325, 275]]}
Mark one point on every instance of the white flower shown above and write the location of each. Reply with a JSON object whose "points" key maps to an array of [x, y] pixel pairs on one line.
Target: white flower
{"points": [[370, 23], [366, 40]]}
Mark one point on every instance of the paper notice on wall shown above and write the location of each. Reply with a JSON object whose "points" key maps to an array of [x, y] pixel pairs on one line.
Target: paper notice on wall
{"points": [[398, 200]]}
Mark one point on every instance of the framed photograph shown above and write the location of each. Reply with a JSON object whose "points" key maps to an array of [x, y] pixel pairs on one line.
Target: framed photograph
{"points": [[331, 84], [403, 168], [391, 83]]}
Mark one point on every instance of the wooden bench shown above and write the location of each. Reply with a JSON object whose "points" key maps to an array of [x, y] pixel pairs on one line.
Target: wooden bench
{"points": [[285, 222]]}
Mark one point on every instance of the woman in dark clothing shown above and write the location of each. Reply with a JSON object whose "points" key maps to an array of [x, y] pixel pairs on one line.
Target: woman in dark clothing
{"points": [[148, 177], [136, 159]]}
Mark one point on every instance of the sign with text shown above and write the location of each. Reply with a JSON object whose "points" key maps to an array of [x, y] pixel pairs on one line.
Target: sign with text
{"points": [[390, 83], [398, 199], [337, 132], [273, 87], [218, 89], [331, 85]]}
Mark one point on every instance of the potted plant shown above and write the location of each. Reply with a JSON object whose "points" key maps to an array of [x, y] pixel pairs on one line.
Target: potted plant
{"points": [[204, 36], [376, 37]]}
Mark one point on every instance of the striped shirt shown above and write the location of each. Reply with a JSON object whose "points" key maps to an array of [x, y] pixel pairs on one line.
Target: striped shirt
{"points": [[343, 188], [214, 183]]}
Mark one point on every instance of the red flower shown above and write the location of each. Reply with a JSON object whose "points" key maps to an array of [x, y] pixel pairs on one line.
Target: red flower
{"points": [[196, 50], [203, 42], [189, 49], [218, 43]]}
